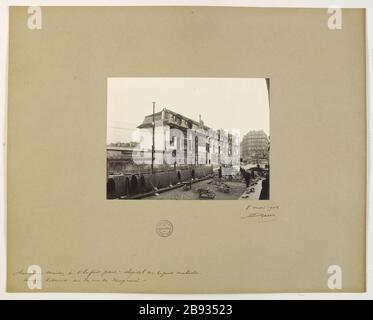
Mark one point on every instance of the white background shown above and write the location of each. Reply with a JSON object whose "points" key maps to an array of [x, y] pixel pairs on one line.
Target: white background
{"points": [[368, 4]]}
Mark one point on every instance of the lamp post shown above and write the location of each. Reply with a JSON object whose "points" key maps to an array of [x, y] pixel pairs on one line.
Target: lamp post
{"points": [[153, 147]]}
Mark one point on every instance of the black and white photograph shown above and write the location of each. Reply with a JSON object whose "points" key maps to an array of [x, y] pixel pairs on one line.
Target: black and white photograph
{"points": [[188, 139]]}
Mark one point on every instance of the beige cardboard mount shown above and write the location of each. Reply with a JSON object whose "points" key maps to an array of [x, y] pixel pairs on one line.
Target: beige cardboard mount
{"points": [[63, 231]]}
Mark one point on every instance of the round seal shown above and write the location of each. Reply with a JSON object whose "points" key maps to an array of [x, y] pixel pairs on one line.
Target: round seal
{"points": [[164, 228]]}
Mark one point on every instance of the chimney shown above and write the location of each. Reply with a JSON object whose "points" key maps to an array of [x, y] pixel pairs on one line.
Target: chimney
{"points": [[200, 121]]}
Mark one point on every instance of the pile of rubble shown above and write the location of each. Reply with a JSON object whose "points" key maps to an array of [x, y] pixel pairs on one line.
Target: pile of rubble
{"points": [[206, 193], [221, 186]]}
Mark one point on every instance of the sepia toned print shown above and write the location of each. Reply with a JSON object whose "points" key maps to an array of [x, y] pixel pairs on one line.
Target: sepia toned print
{"points": [[172, 152]]}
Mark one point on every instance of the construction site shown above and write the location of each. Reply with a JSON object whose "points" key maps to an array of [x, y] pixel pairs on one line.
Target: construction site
{"points": [[184, 159]]}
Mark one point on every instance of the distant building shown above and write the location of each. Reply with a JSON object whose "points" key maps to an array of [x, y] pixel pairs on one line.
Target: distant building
{"points": [[123, 144], [255, 146], [193, 143], [119, 152]]}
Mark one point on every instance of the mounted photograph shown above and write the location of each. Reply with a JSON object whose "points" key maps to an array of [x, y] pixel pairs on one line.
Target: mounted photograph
{"points": [[188, 139]]}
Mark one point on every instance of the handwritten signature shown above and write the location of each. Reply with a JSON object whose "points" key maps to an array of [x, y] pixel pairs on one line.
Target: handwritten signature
{"points": [[261, 213]]}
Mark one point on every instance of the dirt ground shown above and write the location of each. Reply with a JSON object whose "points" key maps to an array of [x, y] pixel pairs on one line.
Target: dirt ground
{"points": [[237, 189]]}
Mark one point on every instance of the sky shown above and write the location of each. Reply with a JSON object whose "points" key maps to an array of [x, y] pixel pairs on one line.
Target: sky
{"points": [[223, 103]]}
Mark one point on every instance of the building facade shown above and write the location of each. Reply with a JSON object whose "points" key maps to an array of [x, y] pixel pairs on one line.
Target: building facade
{"points": [[179, 140], [255, 146]]}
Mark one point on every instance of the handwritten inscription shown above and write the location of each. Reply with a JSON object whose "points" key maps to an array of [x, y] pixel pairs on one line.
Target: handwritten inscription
{"points": [[117, 276], [261, 213]]}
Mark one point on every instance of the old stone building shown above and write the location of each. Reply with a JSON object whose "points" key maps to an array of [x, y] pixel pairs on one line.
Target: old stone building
{"points": [[179, 140], [255, 146]]}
